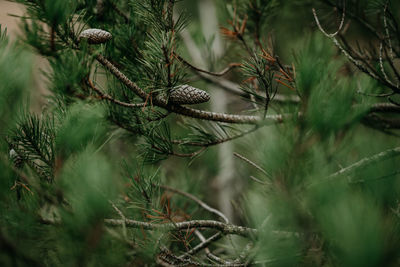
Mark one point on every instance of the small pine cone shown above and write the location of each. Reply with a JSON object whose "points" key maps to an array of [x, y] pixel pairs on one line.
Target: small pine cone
{"points": [[95, 36], [186, 94]]}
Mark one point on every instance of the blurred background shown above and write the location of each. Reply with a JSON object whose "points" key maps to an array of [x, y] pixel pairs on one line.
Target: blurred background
{"points": [[8, 19]]}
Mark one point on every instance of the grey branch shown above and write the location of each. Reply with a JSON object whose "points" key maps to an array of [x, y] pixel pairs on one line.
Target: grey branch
{"points": [[203, 224]]}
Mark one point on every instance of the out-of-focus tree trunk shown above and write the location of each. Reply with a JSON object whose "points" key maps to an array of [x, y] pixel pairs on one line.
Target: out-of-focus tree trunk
{"points": [[38, 87], [224, 184], [224, 180]]}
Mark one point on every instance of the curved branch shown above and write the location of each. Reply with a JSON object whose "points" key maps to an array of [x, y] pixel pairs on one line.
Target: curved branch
{"points": [[330, 35], [218, 74]]}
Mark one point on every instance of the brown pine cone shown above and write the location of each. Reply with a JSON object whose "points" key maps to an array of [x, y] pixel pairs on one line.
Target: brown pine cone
{"points": [[186, 94], [95, 36]]}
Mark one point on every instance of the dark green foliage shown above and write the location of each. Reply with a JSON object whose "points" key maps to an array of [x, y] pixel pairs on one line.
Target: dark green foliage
{"points": [[111, 173]]}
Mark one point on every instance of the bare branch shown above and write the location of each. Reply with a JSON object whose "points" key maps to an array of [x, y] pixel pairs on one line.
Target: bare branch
{"points": [[322, 29], [251, 163], [198, 201]]}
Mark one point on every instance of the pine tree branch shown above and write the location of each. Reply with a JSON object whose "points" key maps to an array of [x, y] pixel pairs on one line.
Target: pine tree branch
{"points": [[223, 117], [190, 112], [225, 228], [205, 224], [390, 153]]}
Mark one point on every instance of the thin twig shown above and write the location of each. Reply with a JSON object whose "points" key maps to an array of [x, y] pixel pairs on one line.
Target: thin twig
{"points": [[198, 201], [251, 163], [387, 31], [390, 153], [366, 161], [322, 29], [111, 99], [218, 74], [381, 66], [209, 254], [258, 180], [204, 244]]}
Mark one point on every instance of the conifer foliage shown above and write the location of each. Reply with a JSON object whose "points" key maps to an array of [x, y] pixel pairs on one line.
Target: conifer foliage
{"points": [[119, 167]]}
